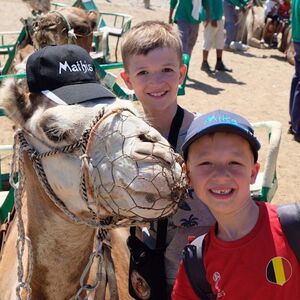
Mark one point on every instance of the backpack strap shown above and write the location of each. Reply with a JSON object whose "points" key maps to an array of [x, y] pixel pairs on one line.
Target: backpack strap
{"points": [[289, 216], [195, 270], [162, 225], [175, 127]]}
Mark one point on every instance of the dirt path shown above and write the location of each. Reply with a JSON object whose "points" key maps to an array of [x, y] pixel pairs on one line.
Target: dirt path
{"points": [[258, 88]]}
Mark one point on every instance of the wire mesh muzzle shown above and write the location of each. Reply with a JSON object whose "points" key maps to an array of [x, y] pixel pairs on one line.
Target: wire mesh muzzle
{"points": [[126, 172], [130, 170]]}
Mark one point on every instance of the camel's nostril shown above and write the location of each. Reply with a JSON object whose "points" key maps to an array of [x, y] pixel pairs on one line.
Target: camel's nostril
{"points": [[150, 198], [147, 138]]}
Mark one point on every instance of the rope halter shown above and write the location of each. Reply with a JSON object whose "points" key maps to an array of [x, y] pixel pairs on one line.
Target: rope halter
{"points": [[91, 186], [102, 180]]}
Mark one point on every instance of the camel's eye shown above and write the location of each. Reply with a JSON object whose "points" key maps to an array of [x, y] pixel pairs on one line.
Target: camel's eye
{"points": [[55, 133]]}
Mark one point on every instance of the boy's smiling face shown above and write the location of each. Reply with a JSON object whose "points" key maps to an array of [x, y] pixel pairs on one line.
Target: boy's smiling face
{"points": [[155, 77], [220, 168]]}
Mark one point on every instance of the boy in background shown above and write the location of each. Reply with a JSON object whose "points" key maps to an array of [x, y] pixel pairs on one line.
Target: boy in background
{"points": [[188, 26], [231, 23], [152, 58], [246, 254], [213, 35]]}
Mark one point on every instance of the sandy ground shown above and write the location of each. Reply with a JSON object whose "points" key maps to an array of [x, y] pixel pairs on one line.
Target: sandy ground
{"points": [[258, 88]]}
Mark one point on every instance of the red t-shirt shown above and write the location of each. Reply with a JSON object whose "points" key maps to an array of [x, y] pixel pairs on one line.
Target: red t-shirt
{"points": [[284, 10], [259, 266]]}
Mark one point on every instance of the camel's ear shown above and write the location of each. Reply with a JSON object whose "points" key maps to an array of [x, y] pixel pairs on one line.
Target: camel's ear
{"points": [[93, 17], [14, 98]]}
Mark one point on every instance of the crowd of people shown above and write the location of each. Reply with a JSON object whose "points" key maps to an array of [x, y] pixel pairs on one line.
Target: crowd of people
{"points": [[277, 15], [220, 19], [189, 14], [223, 22]]}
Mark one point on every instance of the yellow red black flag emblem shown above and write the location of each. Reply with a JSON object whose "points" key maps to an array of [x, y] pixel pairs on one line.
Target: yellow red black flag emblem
{"points": [[279, 270]]}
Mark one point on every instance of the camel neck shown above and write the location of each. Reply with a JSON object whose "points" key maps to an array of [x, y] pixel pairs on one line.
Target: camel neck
{"points": [[66, 245]]}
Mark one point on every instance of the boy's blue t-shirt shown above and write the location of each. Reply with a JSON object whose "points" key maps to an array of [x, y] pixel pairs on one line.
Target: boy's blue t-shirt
{"points": [[215, 8]]}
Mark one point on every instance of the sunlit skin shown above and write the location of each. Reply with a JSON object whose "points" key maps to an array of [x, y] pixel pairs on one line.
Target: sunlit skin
{"points": [[155, 78], [220, 167]]}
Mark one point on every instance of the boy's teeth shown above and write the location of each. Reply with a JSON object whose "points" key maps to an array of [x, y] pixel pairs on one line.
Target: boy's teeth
{"points": [[222, 192], [157, 94]]}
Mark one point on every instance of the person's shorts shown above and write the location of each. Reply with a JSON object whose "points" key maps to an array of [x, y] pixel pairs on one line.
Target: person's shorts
{"points": [[213, 37]]}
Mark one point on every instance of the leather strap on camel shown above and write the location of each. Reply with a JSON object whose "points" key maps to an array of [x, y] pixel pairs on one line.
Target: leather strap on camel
{"points": [[105, 274], [5, 229]]}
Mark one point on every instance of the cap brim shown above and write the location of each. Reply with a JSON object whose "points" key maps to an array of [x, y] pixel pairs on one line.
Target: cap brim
{"points": [[78, 93], [254, 143]]}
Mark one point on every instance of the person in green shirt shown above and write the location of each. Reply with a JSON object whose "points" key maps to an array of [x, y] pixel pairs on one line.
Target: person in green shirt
{"points": [[213, 35], [295, 86], [231, 20], [187, 24]]}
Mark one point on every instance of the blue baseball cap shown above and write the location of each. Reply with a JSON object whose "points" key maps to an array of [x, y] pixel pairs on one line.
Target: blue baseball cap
{"points": [[221, 121]]}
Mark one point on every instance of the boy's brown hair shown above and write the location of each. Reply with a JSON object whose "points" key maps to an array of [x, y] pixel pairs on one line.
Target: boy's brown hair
{"points": [[150, 35]]}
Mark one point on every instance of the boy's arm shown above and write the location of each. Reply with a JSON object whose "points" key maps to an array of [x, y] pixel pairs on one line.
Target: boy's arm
{"points": [[248, 4], [240, 3], [212, 11], [205, 12], [171, 15], [173, 4], [182, 289]]}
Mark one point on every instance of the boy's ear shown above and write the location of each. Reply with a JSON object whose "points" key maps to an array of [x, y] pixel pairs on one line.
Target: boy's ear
{"points": [[182, 71], [254, 172], [126, 79], [186, 171]]}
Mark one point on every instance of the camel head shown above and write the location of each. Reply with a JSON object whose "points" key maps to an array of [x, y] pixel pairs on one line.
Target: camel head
{"points": [[68, 25], [65, 25], [102, 161]]}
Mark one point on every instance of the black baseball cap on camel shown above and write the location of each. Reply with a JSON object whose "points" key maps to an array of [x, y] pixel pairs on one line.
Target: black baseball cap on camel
{"points": [[65, 74]]}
